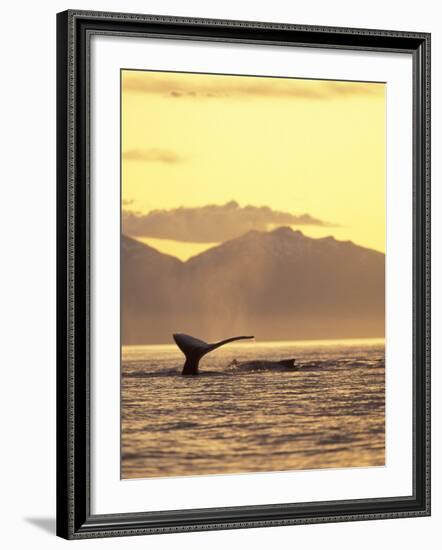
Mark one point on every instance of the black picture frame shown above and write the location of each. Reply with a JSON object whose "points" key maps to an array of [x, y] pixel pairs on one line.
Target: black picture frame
{"points": [[74, 518]]}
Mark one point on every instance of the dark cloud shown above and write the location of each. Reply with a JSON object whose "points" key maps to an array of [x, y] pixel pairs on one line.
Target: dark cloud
{"points": [[219, 86], [152, 155], [211, 223]]}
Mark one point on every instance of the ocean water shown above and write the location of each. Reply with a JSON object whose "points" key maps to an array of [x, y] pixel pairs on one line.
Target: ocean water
{"points": [[327, 412]]}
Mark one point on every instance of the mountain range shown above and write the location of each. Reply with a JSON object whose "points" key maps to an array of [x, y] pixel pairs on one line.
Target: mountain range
{"points": [[277, 285]]}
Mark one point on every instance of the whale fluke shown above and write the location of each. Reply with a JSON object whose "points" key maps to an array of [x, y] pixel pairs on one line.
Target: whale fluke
{"points": [[194, 349]]}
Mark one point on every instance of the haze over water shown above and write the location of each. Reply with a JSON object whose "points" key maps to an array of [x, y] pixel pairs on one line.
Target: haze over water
{"points": [[329, 412]]}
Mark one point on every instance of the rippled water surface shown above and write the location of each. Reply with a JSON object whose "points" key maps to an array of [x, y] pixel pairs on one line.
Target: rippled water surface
{"points": [[328, 412]]}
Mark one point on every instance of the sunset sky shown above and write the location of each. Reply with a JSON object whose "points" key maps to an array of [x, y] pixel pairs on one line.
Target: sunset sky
{"points": [[296, 146]]}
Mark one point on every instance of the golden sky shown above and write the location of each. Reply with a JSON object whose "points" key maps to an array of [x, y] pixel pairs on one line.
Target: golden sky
{"points": [[298, 146]]}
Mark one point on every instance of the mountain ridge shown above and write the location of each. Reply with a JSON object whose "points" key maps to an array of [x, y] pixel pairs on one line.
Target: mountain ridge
{"points": [[279, 284], [279, 230]]}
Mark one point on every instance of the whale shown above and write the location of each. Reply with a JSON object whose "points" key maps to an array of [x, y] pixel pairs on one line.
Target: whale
{"points": [[194, 350], [282, 365]]}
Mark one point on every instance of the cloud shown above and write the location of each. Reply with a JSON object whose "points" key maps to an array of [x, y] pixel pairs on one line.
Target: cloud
{"points": [[183, 85], [152, 155], [211, 223]]}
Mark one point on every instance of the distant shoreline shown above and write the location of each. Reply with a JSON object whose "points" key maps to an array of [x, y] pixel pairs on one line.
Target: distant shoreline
{"points": [[279, 343]]}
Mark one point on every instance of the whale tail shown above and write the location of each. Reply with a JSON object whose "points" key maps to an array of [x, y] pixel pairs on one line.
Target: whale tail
{"points": [[194, 349]]}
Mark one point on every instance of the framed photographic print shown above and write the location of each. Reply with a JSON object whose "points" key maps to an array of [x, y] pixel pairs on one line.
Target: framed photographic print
{"points": [[243, 274]]}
